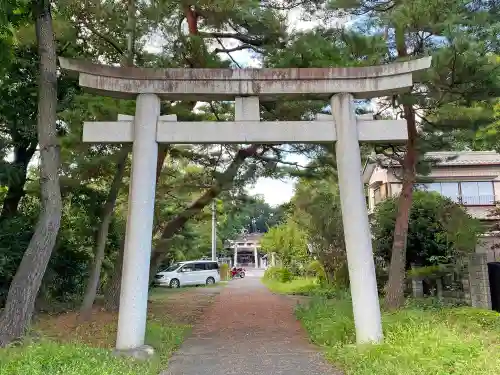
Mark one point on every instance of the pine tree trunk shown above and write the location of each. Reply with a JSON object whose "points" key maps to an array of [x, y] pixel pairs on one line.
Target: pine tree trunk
{"points": [[102, 234], [16, 317], [394, 298], [112, 291]]}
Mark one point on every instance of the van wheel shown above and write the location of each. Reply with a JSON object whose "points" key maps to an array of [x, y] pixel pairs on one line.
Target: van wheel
{"points": [[174, 283], [210, 281]]}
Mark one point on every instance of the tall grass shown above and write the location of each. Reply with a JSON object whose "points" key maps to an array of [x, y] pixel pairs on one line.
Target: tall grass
{"points": [[435, 341]]}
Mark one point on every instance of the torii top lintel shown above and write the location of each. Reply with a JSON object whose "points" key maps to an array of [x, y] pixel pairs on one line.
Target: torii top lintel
{"points": [[226, 84]]}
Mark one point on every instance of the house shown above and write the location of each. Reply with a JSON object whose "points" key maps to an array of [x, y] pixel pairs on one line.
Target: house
{"points": [[247, 250], [470, 178]]}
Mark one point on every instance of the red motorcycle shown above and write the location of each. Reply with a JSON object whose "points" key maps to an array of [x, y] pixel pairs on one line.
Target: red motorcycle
{"points": [[237, 272]]}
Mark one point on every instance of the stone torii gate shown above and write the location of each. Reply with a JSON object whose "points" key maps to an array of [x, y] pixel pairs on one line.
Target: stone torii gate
{"points": [[246, 86]]}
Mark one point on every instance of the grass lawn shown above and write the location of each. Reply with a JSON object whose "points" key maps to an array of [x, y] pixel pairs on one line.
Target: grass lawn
{"points": [[301, 286], [68, 346], [421, 339]]}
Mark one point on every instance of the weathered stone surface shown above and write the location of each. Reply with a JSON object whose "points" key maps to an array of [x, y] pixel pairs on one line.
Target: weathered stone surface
{"points": [[141, 353], [208, 132], [217, 84]]}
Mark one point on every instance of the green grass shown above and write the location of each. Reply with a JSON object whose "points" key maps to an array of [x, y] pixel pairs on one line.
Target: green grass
{"points": [[300, 286], [296, 286], [51, 357], [86, 349], [418, 341]]}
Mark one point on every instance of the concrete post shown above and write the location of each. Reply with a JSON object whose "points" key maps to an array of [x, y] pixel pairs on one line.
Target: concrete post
{"points": [[256, 257], [417, 287], [361, 266], [235, 263], [137, 252], [273, 259], [479, 281]]}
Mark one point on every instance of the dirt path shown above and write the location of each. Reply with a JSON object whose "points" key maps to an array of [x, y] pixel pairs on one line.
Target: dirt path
{"points": [[248, 330]]}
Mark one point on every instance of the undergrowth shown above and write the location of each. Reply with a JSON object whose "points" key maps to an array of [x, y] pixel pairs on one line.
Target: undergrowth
{"points": [[417, 341]]}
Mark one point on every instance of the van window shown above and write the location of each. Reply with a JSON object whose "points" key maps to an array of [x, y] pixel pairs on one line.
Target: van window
{"points": [[200, 266], [212, 266], [187, 268], [172, 268]]}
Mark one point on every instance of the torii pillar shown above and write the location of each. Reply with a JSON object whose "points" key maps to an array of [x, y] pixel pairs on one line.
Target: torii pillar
{"points": [[138, 238]]}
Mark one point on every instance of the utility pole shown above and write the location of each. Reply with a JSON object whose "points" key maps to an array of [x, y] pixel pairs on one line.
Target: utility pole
{"points": [[214, 232]]}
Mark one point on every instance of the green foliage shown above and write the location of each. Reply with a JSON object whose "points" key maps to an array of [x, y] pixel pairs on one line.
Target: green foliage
{"points": [[304, 287], [299, 286], [315, 269], [224, 271], [488, 137], [324, 226], [15, 235], [288, 241], [281, 274], [439, 230], [67, 271], [417, 341]]}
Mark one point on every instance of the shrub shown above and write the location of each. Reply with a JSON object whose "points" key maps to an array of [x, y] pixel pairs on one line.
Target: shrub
{"points": [[272, 273], [286, 275], [280, 274], [438, 230], [297, 269], [315, 269], [224, 271]]}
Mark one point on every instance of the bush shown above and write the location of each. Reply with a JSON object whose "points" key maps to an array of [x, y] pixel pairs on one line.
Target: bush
{"points": [[224, 271], [438, 230], [278, 274], [297, 269], [315, 269], [286, 275]]}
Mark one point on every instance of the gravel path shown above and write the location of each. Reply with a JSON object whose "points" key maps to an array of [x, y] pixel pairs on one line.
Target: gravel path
{"points": [[248, 330]]}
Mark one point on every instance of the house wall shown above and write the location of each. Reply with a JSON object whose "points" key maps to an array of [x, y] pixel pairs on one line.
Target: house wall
{"points": [[388, 177]]}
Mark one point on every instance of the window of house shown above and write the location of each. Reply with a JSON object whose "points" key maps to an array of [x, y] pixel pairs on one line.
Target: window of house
{"points": [[470, 193], [477, 193], [450, 190], [447, 189]]}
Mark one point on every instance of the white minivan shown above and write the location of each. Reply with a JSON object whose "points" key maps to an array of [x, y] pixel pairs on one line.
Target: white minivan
{"points": [[195, 272]]}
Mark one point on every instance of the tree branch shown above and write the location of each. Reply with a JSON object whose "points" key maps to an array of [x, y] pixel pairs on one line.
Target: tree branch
{"points": [[241, 47], [106, 39], [238, 36]]}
